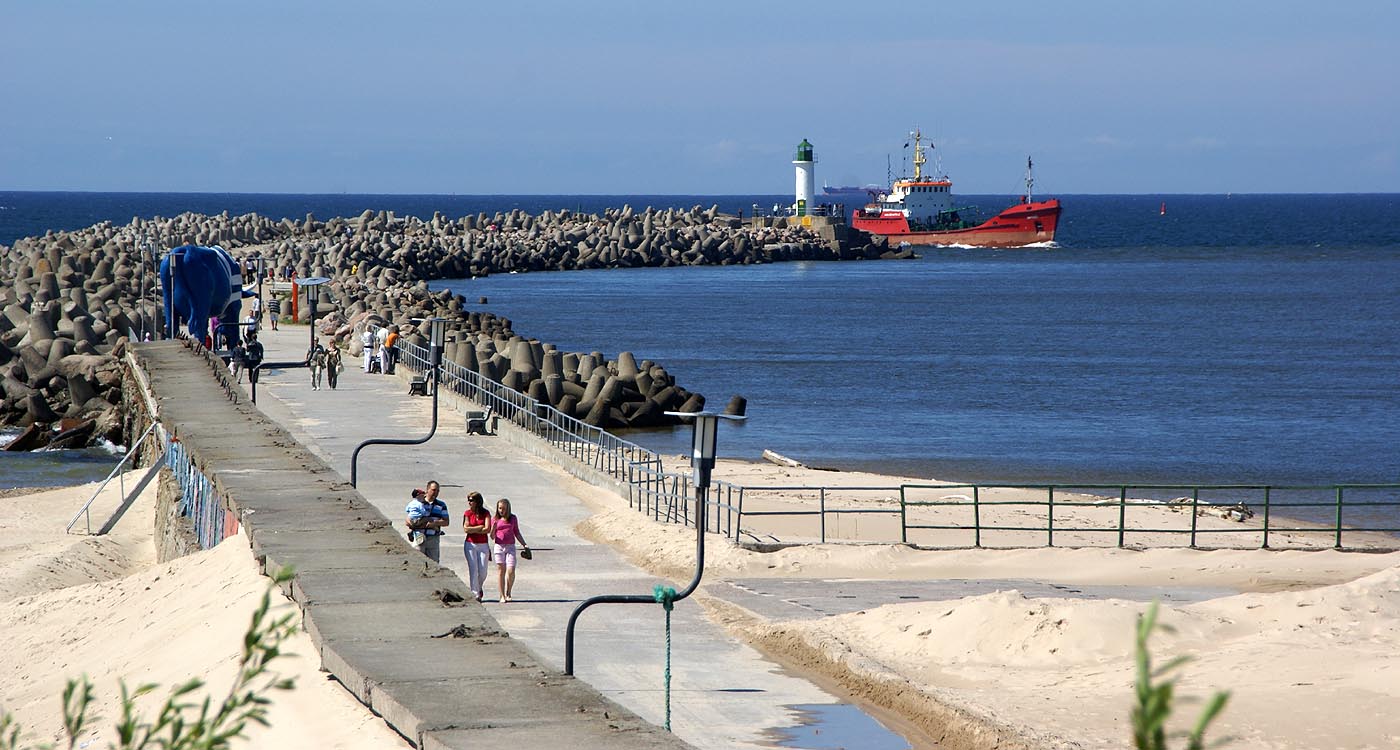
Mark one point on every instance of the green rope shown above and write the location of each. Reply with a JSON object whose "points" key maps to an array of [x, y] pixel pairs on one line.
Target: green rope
{"points": [[666, 597]]}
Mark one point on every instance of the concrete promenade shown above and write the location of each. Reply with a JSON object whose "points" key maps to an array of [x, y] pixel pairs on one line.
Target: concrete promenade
{"points": [[724, 694], [375, 607]]}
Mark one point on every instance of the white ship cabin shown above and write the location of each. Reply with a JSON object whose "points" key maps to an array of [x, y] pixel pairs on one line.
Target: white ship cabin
{"points": [[919, 200]]}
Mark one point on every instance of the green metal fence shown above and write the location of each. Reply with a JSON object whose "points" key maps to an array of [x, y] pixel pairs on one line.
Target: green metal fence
{"points": [[1243, 504], [982, 515]]}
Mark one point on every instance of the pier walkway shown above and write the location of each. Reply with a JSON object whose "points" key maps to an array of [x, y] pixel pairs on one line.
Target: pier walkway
{"points": [[724, 694], [374, 606]]}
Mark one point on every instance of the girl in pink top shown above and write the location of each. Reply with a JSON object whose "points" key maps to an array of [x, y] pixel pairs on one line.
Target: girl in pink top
{"points": [[505, 531]]}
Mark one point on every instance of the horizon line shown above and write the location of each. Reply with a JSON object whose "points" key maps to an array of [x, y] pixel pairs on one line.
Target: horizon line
{"points": [[607, 195]]}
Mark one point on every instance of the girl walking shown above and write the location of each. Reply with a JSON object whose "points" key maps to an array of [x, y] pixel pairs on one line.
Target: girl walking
{"points": [[476, 524], [505, 531]]}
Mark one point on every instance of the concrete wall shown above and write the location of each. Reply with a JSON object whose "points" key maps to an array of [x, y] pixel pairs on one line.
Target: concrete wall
{"points": [[174, 532]]}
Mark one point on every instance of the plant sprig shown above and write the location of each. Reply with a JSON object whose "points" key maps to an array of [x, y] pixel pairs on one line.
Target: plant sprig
{"points": [[1155, 698]]}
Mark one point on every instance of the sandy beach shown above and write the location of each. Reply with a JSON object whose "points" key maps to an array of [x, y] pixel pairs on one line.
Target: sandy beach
{"points": [[102, 606], [1303, 638]]}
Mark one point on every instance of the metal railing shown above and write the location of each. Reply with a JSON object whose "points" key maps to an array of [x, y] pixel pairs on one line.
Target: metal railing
{"points": [[979, 515], [1073, 515], [1085, 511], [119, 472], [790, 211], [586, 444], [669, 497], [1266, 516]]}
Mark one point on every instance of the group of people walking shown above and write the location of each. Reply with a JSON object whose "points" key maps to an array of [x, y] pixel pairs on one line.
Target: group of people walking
{"points": [[246, 351], [490, 537]]}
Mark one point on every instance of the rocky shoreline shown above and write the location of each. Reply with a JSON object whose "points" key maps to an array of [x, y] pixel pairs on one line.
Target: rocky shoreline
{"points": [[69, 300]]}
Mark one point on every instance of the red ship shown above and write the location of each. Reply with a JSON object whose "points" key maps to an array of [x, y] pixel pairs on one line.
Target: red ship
{"points": [[920, 211]]}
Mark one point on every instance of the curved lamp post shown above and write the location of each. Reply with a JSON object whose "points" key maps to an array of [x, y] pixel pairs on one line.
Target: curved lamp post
{"points": [[310, 286], [702, 461], [437, 333], [262, 271]]}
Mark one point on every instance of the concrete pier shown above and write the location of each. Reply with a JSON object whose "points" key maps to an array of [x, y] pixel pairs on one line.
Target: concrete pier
{"points": [[376, 608], [370, 597]]}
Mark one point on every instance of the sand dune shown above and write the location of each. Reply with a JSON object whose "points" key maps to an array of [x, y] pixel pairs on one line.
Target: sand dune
{"points": [[1304, 666], [1310, 646], [158, 623], [36, 554]]}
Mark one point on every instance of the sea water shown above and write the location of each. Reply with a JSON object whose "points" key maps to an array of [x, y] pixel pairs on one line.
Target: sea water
{"points": [[1200, 365], [1236, 339], [55, 468]]}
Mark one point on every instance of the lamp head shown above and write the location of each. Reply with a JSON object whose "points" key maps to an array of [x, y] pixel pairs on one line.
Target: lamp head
{"points": [[437, 332], [702, 447]]}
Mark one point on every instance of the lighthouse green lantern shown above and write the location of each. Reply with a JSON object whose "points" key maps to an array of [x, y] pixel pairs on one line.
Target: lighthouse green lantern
{"points": [[805, 179]]}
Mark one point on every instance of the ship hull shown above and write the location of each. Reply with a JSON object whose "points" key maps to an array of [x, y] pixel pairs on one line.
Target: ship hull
{"points": [[1018, 226]]}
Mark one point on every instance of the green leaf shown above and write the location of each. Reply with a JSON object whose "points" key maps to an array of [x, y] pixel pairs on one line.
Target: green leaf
{"points": [[1154, 700]]}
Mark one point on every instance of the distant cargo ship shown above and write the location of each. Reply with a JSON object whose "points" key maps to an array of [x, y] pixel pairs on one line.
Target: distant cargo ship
{"points": [[920, 211], [846, 191]]}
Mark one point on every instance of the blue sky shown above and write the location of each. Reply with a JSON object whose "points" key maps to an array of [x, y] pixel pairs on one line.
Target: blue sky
{"points": [[663, 97]]}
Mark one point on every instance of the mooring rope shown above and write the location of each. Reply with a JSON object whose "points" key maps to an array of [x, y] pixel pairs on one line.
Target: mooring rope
{"points": [[666, 597]]}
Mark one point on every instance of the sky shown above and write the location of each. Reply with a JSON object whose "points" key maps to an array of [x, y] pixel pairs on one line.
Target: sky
{"points": [[664, 97]]}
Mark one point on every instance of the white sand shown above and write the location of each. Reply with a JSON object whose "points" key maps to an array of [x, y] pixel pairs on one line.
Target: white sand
{"points": [[37, 555], [1311, 649], [146, 623]]}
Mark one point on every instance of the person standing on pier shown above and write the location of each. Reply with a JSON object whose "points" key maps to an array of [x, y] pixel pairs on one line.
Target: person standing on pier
{"points": [[427, 515], [252, 356], [236, 360], [389, 353], [380, 336], [367, 341], [476, 524], [505, 532]]}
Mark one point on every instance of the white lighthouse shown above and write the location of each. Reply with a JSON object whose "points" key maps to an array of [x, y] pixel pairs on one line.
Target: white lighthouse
{"points": [[805, 177]]}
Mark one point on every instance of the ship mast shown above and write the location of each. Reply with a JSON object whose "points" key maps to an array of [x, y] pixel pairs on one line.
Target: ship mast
{"points": [[1030, 180], [919, 160]]}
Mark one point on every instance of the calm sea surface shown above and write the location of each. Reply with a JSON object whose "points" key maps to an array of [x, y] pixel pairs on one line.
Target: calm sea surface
{"points": [[1236, 339]]}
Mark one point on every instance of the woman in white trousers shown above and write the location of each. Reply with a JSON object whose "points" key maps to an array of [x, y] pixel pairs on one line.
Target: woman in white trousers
{"points": [[476, 524]]}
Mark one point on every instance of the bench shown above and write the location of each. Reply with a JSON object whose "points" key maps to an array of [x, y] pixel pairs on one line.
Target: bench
{"points": [[480, 423], [418, 386]]}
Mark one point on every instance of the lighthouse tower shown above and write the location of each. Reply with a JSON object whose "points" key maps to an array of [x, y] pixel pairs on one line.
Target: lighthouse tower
{"points": [[805, 177]]}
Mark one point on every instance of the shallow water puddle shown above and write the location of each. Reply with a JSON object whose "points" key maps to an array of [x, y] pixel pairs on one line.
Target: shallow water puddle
{"points": [[837, 726]]}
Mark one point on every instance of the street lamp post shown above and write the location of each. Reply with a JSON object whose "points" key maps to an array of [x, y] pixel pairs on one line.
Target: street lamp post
{"points": [[311, 299], [262, 271], [172, 325], [437, 334], [702, 461], [143, 246]]}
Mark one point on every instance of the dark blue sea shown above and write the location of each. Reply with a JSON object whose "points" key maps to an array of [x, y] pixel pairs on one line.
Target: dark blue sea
{"points": [[1235, 339]]}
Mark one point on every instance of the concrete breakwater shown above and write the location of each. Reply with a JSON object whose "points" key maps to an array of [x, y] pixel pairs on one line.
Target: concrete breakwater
{"points": [[386, 250], [67, 302], [69, 297]]}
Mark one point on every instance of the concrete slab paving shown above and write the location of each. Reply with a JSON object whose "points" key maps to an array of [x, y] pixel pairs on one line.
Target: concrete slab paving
{"points": [[810, 599]]}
